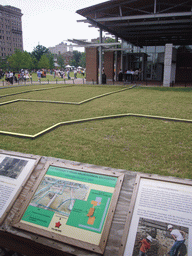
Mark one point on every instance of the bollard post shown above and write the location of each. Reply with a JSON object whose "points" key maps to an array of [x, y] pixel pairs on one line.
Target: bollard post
{"points": [[48, 81], [83, 80], [64, 81], [93, 81], [73, 81], [31, 80], [3, 82]]}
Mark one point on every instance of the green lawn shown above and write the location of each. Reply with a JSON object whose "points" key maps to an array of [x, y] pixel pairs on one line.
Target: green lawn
{"points": [[132, 143]]}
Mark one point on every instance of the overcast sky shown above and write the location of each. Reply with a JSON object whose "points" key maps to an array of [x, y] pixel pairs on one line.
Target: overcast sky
{"points": [[49, 22]]}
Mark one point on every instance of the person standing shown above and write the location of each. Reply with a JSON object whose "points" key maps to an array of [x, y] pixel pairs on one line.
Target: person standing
{"points": [[75, 73], [68, 74], [7, 77], [11, 77], [120, 75], [179, 237], [145, 246], [39, 75]]}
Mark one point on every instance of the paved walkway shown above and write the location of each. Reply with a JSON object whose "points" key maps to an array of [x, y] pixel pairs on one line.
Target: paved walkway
{"points": [[4, 84]]}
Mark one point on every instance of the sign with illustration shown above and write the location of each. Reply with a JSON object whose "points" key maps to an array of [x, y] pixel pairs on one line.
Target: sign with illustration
{"points": [[14, 172], [75, 206], [160, 217]]}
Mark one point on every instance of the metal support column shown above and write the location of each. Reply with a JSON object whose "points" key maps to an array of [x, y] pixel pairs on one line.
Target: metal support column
{"points": [[155, 6], [116, 40], [100, 58]]}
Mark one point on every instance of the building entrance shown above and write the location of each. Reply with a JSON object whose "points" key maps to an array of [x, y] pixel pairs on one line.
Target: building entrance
{"points": [[135, 61]]}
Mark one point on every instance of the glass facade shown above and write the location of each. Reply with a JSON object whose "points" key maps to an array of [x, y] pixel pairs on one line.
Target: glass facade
{"points": [[149, 59]]}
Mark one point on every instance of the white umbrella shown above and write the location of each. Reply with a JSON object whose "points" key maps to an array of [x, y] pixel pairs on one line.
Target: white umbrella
{"points": [[79, 67], [68, 66]]}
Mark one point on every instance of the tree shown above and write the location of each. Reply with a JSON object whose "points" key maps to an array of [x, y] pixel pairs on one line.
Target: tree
{"points": [[60, 61], [27, 62], [19, 60], [112, 40], [38, 51], [34, 62], [83, 60], [50, 56], [76, 59], [4, 63], [44, 62], [15, 60]]}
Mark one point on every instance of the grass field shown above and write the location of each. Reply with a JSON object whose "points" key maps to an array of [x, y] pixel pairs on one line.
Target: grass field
{"points": [[132, 143]]}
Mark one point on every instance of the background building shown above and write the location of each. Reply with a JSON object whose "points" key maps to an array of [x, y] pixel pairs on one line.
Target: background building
{"points": [[11, 37], [60, 48], [156, 40]]}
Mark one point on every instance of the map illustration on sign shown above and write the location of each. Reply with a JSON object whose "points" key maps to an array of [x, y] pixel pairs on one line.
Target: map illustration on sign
{"points": [[72, 206], [58, 195], [91, 214]]}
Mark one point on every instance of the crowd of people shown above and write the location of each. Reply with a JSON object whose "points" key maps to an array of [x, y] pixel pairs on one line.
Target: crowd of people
{"points": [[11, 77], [66, 73], [24, 75]]}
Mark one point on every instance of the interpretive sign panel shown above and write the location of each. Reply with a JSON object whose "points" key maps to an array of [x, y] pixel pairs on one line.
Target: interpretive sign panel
{"points": [[14, 171], [160, 208], [73, 206]]}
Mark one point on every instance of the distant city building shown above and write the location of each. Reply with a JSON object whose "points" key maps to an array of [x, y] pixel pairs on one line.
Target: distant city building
{"points": [[11, 36], [70, 48], [59, 49]]}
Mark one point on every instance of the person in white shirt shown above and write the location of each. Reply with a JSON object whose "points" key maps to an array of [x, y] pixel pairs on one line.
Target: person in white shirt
{"points": [[179, 237], [11, 77]]}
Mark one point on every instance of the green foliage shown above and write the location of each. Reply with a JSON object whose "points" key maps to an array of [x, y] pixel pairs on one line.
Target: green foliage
{"points": [[38, 51], [83, 60], [20, 60], [34, 62], [42, 57], [27, 62], [110, 40], [76, 59], [44, 62], [60, 61], [4, 63], [50, 56]]}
